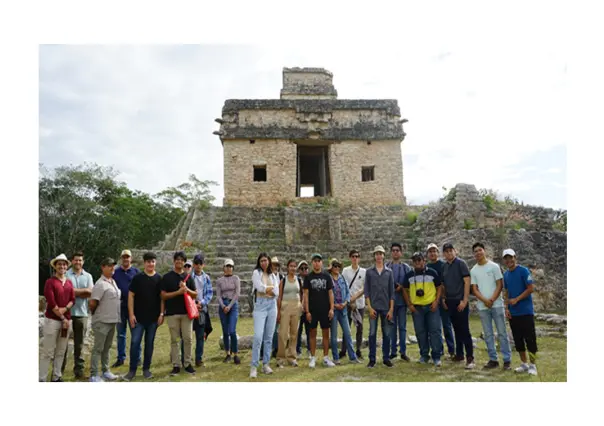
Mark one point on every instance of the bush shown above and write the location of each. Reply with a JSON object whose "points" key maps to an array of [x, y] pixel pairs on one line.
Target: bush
{"points": [[468, 224], [411, 218]]}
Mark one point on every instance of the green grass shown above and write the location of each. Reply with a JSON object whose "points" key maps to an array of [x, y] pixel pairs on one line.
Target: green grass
{"points": [[551, 363]]}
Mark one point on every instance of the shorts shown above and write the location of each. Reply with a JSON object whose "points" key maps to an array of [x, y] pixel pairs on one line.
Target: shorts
{"points": [[321, 318], [523, 331]]}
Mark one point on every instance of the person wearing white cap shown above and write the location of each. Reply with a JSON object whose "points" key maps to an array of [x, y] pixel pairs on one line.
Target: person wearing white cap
{"points": [[379, 300], [487, 284], [60, 298], [518, 285], [228, 290], [123, 276]]}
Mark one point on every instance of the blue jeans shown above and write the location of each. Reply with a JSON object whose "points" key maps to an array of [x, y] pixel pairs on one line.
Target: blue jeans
{"points": [[342, 318], [121, 328], [149, 330], [386, 326], [487, 316], [447, 328], [229, 325], [265, 320], [427, 323], [399, 324], [199, 342]]}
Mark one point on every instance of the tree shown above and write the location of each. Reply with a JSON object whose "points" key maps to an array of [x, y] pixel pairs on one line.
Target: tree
{"points": [[194, 193]]}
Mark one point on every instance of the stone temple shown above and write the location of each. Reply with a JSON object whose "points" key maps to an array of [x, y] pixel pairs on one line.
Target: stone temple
{"points": [[311, 144]]}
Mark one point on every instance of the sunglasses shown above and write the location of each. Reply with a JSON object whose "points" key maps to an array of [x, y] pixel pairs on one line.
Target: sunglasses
{"points": [[228, 266], [304, 268], [355, 255]]}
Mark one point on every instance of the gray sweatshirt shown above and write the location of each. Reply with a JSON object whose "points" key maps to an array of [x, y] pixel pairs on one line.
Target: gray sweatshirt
{"points": [[379, 288]]}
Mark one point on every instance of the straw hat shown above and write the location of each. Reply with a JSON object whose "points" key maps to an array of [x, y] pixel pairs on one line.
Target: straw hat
{"points": [[60, 257]]}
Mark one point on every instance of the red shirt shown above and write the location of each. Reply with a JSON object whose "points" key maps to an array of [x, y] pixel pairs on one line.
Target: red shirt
{"points": [[58, 294]]}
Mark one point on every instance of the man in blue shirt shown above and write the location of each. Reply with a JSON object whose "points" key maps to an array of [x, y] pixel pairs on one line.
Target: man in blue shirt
{"points": [[518, 284], [400, 270], [123, 277]]}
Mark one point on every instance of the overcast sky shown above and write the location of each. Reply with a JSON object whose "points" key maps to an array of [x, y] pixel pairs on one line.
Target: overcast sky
{"points": [[480, 116]]}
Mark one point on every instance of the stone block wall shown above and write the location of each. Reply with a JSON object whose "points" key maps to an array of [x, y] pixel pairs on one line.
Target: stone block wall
{"points": [[346, 160], [240, 157]]}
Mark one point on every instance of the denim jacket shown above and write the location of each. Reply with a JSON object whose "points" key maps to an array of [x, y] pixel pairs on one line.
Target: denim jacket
{"points": [[204, 291], [343, 289]]}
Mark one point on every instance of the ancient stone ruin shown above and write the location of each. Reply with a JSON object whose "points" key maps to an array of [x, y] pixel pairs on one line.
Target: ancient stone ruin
{"points": [[309, 143]]}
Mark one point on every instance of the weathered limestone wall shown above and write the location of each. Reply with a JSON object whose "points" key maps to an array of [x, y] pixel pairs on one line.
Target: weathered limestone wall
{"points": [[346, 160], [308, 83], [240, 157]]}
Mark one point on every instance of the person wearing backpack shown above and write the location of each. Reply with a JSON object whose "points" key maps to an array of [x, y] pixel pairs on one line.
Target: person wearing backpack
{"points": [[456, 279], [355, 277]]}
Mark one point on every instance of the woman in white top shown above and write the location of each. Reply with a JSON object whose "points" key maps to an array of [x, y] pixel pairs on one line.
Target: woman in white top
{"points": [[266, 288], [288, 316]]}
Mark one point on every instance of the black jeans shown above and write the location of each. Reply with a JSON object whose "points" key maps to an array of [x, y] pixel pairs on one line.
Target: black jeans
{"points": [[461, 327], [523, 331], [306, 325]]}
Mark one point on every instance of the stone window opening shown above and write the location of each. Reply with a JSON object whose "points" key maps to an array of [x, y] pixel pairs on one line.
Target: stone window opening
{"points": [[252, 141], [367, 173], [260, 173]]}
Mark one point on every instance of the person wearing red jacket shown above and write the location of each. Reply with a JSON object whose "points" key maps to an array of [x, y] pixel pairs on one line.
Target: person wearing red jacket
{"points": [[60, 298]]}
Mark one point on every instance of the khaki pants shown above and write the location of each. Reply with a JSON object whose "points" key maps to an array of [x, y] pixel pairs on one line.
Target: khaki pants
{"points": [[103, 338], [53, 346], [180, 324], [288, 330]]}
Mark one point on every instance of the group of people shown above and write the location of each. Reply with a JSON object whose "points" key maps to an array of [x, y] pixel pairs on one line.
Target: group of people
{"points": [[434, 291]]}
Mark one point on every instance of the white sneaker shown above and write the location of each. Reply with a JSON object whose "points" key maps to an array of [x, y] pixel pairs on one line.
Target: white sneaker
{"points": [[266, 369], [338, 362], [532, 370], [312, 362], [355, 361], [253, 373], [96, 379], [470, 366], [294, 363], [108, 375], [438, 363], [522, 369], [327, 362]]}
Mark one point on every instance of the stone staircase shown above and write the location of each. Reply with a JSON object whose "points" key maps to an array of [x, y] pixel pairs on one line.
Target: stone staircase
{"points": [[241, 233]]}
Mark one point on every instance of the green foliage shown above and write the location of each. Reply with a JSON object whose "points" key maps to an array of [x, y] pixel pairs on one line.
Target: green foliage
{"points": [[560, 221], [521, 224], [469, 224], [411, 218], [85, 208], [195, 193]]}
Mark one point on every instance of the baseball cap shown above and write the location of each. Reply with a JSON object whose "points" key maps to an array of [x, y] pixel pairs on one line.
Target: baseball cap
{"points": [[302, 262], [509, 252], [334, 262], [417, 255], [199, 259], [275, 260], [229, 262], [316, 256], [108, 261], [432, 245], [126, 253], [448, 246], [379, 249], [188, 263]]}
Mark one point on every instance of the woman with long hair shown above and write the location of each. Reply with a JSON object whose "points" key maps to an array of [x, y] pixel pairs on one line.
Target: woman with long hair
{"points": [[227, 292], [288, 316], [266, 287]]}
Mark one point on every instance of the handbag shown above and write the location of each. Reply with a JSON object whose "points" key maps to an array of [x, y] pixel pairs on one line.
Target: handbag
{"points": [[192, 311]]}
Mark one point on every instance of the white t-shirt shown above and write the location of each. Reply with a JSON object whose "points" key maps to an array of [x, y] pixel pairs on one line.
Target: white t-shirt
{"points": [[485, 277], [357, 285]]}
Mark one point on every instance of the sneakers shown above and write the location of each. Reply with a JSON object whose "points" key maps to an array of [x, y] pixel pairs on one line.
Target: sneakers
{"points": [[312, 362], [294, 363], [117, 363], [227, 358], [457, 358], [491, 364], [371, 364], [507, 365], [199, 363], [327, 362], [355, 361], [96, 379], [404, 357], [59, 380], [438, 363], [337, 362], [470, 364], [253, 373], [266, 369], [532, 370], [129, 376], [236, 360], [280, 364], [108, 375], [147, 374], [422, 360], [388, 363], [359, 355], [175, 371], [189, 369], [522, 369]]}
